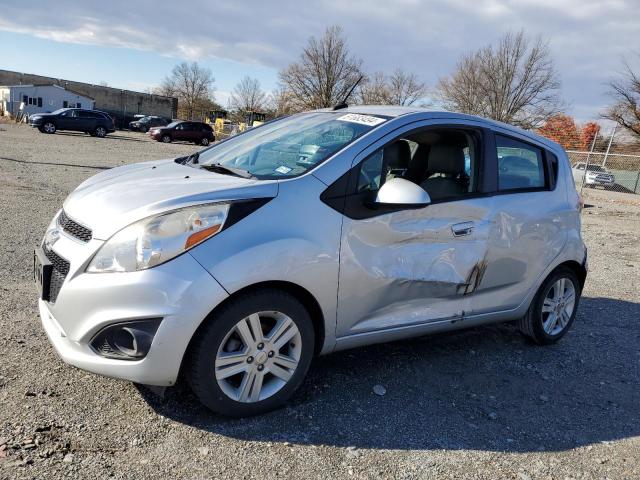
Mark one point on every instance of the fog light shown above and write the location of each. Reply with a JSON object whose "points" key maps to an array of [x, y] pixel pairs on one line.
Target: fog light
{"points": [[127, 340]]}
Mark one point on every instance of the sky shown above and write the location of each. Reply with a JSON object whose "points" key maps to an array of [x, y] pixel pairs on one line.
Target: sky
{"points": [[134, 45]]}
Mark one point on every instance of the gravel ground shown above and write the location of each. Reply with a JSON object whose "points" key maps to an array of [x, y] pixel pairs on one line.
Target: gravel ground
{"points": [[481, 403]]}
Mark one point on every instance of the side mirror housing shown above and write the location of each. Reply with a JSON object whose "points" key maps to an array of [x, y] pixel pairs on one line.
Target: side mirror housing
{"points": [[399, 191]]}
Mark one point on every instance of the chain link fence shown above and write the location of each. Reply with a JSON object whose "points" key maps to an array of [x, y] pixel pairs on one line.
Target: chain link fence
{"points": [[609, 171]]}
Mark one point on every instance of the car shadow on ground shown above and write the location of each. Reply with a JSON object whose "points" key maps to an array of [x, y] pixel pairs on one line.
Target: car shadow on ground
{"points": [[485, 388], [109, 136]]}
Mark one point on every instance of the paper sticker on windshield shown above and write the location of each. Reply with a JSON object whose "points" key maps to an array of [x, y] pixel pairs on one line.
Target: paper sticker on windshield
{"points": [[361, 119], [283, 169]]}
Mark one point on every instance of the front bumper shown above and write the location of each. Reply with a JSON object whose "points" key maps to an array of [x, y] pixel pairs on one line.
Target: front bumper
{"points": [[180, 291]]}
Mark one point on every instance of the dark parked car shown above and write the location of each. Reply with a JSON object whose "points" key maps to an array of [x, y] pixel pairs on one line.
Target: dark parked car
{"points": [[146, 123], [196, 132], [93, 122]]}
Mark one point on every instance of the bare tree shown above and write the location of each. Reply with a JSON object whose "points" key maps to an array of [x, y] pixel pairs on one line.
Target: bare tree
{"points": [[374, 90], [626, 95], [399, 88], [405, 88], [279, 102], [514, 82], [247, 96], [193, 85], [324, 74]]}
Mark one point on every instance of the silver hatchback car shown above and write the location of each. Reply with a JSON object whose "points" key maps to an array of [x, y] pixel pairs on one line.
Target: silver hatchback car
{"points": [[312, 233]]}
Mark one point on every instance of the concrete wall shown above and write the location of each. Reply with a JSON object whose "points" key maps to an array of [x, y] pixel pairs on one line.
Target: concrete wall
{"points": [[112, 100], [53, 98]]}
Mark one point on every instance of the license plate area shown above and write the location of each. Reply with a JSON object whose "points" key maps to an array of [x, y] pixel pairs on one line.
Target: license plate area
{"points": [[42, 270]]}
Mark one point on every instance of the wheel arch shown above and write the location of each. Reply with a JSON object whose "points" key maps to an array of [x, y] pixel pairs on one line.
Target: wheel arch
{"points": [[578, 269], [302, 294]]}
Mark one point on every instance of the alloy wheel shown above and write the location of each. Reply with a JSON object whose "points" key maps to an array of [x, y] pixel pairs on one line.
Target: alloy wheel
{"points": [[49, 127], [101, 132], [558, 306], [258, 356]]}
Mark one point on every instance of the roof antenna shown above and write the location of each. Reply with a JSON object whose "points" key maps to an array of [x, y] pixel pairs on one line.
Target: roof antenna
{"points": [[343, 104]]}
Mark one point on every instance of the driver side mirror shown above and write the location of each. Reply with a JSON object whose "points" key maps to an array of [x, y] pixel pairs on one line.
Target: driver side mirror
{"points": [[399, 191]]}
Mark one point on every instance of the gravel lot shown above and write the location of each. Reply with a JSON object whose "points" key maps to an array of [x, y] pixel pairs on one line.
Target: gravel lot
{"points": [[481, 403]]}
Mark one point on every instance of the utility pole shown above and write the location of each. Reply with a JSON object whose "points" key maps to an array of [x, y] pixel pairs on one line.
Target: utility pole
{"points": [[604, 161]]}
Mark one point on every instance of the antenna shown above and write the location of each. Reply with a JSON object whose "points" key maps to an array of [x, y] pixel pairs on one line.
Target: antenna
{"points": [[343, 104]]}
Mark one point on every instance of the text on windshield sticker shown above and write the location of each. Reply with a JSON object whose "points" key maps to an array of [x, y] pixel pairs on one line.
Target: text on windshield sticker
{"points": [[361, 119]]}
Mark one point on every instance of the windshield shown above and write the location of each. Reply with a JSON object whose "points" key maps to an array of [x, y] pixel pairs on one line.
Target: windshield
{"points": [[173, 124], [60, 110], [144, 119], [291, 146]]}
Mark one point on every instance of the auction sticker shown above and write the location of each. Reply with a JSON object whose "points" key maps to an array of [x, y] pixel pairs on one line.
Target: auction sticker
{"points": [[361, 119], [283, 169]]}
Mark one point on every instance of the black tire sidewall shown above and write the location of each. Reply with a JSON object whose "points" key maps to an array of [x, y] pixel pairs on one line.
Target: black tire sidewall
{"points": [[201, 372], [536, 308]]}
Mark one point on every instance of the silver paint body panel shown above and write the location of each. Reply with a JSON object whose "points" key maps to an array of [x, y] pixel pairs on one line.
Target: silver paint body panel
{"points": [[392, 276]]}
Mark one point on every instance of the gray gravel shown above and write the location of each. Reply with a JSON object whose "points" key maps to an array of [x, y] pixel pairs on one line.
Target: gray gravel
{"points": [[481, 403]]}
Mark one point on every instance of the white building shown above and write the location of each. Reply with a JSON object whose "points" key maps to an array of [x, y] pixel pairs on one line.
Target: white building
{"points": [[40, 98]]}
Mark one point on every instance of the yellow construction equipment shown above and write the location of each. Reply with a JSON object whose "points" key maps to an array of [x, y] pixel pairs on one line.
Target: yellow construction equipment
{"points": [[218, 118]]}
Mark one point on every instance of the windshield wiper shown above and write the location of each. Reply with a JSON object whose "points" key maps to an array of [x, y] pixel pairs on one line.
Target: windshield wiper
{"points": [[219, 168]]}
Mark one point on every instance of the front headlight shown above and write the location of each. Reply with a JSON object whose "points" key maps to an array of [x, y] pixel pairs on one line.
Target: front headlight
{"points": [[155, 240]]}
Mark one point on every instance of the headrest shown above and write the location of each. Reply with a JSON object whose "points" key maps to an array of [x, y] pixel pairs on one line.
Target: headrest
{"points": [[446, 158], [397, 154]]}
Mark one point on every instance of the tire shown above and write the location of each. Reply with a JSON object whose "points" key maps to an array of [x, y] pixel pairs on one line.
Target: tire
{"points": [[144, 129], [536, 323], [49, 127], [100, 132], [166, 139], [204, 141], [276, 309]]}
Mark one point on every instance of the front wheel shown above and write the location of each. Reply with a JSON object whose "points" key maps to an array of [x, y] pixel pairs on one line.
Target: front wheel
{"points": [[166, 139], [553, 309], [252, 354], [100, 132]]}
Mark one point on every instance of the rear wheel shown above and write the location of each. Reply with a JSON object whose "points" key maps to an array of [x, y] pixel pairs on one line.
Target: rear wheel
{"points": [[252, 354], [553, 309], [49, 127], [100, 132], [166, 139], [204, 142]]}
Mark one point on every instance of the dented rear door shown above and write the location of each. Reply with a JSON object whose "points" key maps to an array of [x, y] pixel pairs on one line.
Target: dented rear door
{"points": [[412, 266]]}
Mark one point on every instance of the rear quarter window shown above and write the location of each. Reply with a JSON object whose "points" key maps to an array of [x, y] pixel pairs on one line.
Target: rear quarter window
{"points": [[520, 165]]}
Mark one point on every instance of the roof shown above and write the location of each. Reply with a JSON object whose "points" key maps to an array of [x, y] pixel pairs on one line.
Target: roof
{"points": [[49, 85], [397, 111]]}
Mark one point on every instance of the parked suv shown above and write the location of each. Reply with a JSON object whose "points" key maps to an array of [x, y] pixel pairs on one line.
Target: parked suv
{"points": [[146, 123], [196, 132], [317, 232], [592, 175], [93, 122]]}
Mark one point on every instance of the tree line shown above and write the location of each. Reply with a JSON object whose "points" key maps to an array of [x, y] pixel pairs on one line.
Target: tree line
{"points": [[513, 81]]}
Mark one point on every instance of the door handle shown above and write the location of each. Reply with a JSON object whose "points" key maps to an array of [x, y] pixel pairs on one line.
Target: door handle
{"points": [[461, 229]]}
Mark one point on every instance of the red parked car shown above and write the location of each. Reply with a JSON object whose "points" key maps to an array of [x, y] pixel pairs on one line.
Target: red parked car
{"points": [[196, 132]]}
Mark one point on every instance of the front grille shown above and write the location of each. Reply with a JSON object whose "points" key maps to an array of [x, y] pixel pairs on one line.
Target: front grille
{"points": [[74, 228], [59, 273]]}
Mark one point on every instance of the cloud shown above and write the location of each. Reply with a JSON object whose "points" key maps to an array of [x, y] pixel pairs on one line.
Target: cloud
{"points": [[587, 37]]}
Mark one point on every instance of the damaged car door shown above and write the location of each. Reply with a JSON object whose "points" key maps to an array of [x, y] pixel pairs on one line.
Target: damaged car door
{"points": [[404, 266]]}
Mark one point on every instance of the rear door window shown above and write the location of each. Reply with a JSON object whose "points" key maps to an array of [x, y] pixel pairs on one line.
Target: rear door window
{"points": [[520, 165]]}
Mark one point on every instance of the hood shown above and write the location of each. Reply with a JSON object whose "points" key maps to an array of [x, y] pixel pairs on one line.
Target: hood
{"points": [[113, 199]]}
